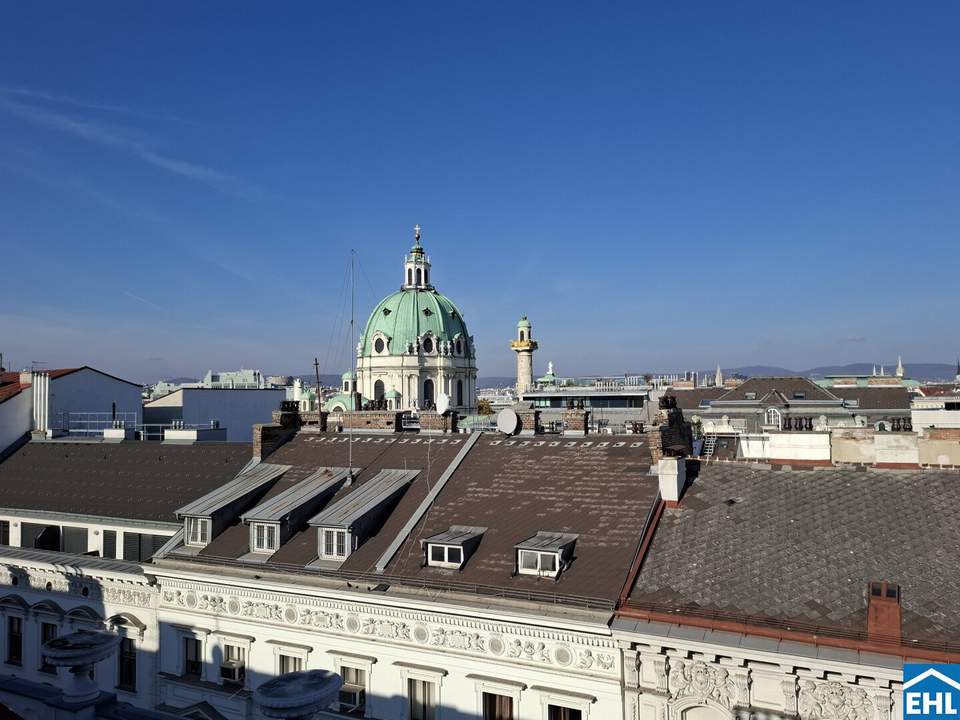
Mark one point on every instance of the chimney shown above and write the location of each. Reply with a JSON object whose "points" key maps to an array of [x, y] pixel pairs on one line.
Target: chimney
{"points": [[672, 472], [883, 612]]}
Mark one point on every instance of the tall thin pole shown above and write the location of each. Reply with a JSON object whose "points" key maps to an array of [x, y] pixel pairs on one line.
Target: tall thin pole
{"points": [[354, 400]]}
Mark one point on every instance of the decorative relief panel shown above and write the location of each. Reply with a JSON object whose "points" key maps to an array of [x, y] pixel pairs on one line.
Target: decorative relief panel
{"points": [[703, 682], [88, 588], [834, 701]]}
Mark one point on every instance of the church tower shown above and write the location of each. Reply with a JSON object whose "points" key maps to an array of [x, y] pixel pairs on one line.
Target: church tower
{"points": [[524, 346]]}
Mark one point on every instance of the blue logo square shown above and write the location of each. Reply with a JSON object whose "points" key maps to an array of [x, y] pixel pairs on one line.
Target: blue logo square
{"points": [[931, 692]]}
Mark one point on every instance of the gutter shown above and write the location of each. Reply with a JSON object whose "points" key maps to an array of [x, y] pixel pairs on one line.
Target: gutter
{"points": [[649, 527], [890, 647]]}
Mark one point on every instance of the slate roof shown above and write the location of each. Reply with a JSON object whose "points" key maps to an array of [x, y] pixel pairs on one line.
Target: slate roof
{"points": [[135, 480], [800, 547], [600, 490], [306, 453], [876, 398], [785, 386], [690, 398]]}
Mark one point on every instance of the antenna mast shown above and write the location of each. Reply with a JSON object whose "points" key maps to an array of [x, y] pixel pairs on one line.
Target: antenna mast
{"points": [[354, 400]]}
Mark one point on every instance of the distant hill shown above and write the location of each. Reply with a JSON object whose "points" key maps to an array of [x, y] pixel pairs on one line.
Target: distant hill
{"points": [[496, 381], [916, 371]]}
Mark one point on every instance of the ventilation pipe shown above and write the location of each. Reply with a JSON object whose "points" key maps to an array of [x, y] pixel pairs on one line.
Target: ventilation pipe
{"points": [[40, 391]]}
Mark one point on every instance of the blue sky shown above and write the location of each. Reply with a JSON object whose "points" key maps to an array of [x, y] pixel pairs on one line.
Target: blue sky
{"points": [[657, 185]]}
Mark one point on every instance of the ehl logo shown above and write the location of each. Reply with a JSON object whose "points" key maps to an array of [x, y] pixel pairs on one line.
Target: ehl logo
{"points": [[931, 692]]}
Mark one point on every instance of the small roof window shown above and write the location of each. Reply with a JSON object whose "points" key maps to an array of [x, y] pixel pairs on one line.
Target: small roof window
{"points": [[451, 548], [546, 553]]}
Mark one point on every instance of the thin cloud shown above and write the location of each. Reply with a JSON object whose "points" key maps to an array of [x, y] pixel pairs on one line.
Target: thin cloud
{"points": [[142, 300], [115, 138], [85, 104]]}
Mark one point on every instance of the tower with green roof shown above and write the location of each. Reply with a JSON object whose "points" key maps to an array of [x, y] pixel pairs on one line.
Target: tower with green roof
{"points": [[524, 346], [416, 345]]}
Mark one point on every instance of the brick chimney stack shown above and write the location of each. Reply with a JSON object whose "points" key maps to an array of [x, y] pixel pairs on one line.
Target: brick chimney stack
{"points": [[883, 612]]}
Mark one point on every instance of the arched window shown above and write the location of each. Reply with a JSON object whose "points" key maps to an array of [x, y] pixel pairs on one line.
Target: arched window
{"points": [[459, 347], [378, 390], [523, 334], [409, 276], [773, 417], [460, 392], [419, 276]]}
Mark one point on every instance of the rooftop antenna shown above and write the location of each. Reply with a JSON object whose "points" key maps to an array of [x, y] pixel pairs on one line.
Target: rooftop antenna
{"points": [[354, 400]]}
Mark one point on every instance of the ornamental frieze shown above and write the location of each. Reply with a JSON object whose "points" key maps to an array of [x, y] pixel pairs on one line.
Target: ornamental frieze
{"points": [[475, 637]]}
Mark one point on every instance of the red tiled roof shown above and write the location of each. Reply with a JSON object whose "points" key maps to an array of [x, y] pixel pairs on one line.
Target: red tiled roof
{"points": [[10, 390]]}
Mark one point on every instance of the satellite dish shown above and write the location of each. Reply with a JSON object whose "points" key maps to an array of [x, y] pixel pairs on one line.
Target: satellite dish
{"points": [[443, 403], [508, 422]]}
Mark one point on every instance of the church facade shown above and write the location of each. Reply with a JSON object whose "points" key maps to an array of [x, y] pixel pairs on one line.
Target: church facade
{"points": [[416, 345]]}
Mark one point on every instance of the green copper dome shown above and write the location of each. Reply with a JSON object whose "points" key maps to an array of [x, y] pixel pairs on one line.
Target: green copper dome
{"points": [[409, 314]]}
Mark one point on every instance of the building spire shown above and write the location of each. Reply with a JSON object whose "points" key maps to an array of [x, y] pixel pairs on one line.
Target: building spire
{"points": [[899, 367], [416, 234], [718, 377]]}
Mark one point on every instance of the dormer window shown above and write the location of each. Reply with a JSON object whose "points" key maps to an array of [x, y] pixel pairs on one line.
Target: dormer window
{"points": [[264, 537], [750, 396], [533, 562], [451, 548], [197, 531], [334, 545], [448, 556], [545, 554], [799, 396], [343, 526]]}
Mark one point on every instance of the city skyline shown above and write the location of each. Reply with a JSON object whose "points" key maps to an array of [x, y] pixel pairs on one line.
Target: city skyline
{"points": [[641, 186]]}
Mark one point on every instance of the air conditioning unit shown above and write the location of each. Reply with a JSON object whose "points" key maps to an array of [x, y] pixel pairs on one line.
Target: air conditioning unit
{"points": [[232, 671], [352, 697]]}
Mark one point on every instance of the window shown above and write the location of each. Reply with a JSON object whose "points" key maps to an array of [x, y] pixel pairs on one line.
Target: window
{"points": [[558, 712], [445, 556], [15, 640], [951, 406], [799, 396], [419, 276], [427, 345], [772, 417], [4, 532], [48, 632], [353, 692], [198, 531], [421, 698], [109, 543], [459, 347], [378, 345], [290, 663], [537, 563], [141, 546], [192, 657], [335, 544], [409, 276], [264, 537], [750, 396], [497, 707], [233, 670], [127, 666], [459, 392]]}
